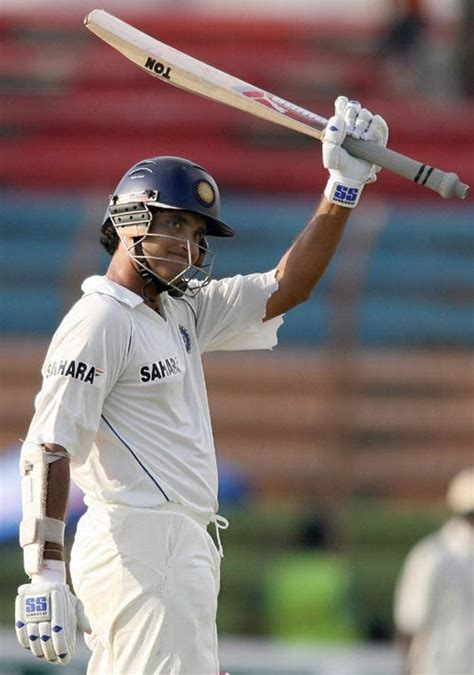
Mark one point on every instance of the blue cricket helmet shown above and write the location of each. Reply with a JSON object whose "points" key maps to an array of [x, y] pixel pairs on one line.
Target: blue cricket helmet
{"points": [[168, 183]]}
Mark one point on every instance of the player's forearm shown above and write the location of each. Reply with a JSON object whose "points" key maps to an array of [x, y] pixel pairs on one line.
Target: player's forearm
{"points": [[57, 497], [303, 265]]}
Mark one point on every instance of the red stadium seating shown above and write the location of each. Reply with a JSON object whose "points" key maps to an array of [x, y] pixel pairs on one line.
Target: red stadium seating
{"points": [[83, 112]]}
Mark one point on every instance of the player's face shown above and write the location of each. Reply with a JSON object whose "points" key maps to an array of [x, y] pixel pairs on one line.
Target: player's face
{"points": [[178, 246]]}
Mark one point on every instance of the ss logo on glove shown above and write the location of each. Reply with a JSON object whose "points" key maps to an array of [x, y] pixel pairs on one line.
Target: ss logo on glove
{"points": [[346, 195], [36, 607]]}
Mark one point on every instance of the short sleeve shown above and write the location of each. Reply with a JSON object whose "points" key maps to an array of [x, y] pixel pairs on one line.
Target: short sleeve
{"points": [[413, 592], [85, 359], [230, 313]]}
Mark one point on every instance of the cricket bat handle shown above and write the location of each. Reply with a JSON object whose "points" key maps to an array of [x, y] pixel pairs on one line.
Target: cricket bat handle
{"points": [[446, 184]]}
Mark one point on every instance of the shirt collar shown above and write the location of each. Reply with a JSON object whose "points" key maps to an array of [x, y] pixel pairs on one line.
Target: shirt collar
{"points": [[101, 284]]}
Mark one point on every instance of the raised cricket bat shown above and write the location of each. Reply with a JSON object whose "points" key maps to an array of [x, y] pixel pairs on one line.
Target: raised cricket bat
{"points": [[185, 72]]}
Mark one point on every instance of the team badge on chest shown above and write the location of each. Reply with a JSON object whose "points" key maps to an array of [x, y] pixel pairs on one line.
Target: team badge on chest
{"points": [[186, 337]]}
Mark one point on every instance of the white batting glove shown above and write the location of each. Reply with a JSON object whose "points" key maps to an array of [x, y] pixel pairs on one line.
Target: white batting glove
{"points": [[348, 175], [47, 615]]}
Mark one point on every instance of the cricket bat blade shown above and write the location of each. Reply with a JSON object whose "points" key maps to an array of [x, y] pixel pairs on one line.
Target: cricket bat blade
{"points": [[185, 72]]}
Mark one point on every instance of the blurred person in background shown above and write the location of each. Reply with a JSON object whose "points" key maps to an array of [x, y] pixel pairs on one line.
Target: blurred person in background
{"points": [[466, 49], [405, 31], [434, 596], [309, 591], [402, 47]]}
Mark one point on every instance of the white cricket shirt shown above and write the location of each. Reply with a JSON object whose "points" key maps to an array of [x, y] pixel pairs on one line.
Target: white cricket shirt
{"points": [[124, 392], [434, 601]]}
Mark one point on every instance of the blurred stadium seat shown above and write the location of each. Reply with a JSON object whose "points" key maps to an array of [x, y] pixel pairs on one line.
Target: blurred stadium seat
{"points": [[84, 112]]}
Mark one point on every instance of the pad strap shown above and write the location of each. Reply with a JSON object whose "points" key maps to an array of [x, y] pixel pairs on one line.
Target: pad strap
{"points": [[41, 529]]}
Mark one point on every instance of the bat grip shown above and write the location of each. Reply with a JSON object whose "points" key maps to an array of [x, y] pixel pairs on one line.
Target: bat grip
{"points": [[446, 184]]}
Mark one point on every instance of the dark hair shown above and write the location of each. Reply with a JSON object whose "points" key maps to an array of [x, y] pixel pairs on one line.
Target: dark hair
{"points": [[109, 238]]}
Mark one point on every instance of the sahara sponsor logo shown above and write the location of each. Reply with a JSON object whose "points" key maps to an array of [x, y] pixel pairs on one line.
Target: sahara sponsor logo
{"points": [[78, 370], [160, 370]]}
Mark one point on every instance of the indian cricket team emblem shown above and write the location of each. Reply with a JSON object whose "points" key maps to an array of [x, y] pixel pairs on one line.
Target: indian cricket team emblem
{"points": [[186, 337], [205, 192]]}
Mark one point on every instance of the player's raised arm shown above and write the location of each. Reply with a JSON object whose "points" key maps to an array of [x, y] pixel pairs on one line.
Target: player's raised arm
{"points": [[304, 263]]}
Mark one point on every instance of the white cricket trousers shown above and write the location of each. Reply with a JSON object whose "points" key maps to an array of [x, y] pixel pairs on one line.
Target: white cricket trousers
{"points": [[149, 581]]}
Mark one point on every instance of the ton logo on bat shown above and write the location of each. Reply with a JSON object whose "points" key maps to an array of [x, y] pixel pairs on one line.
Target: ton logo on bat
{"points": [[158, 67]]}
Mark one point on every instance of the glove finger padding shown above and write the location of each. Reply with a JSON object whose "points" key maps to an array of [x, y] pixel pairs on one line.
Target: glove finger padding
{"points": [[46, 620], [34, 640], [340, 105], [21, 627], [351, 115], [363, 123], [46, 642], [63, 624], [377, 131], [333, 137]]}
